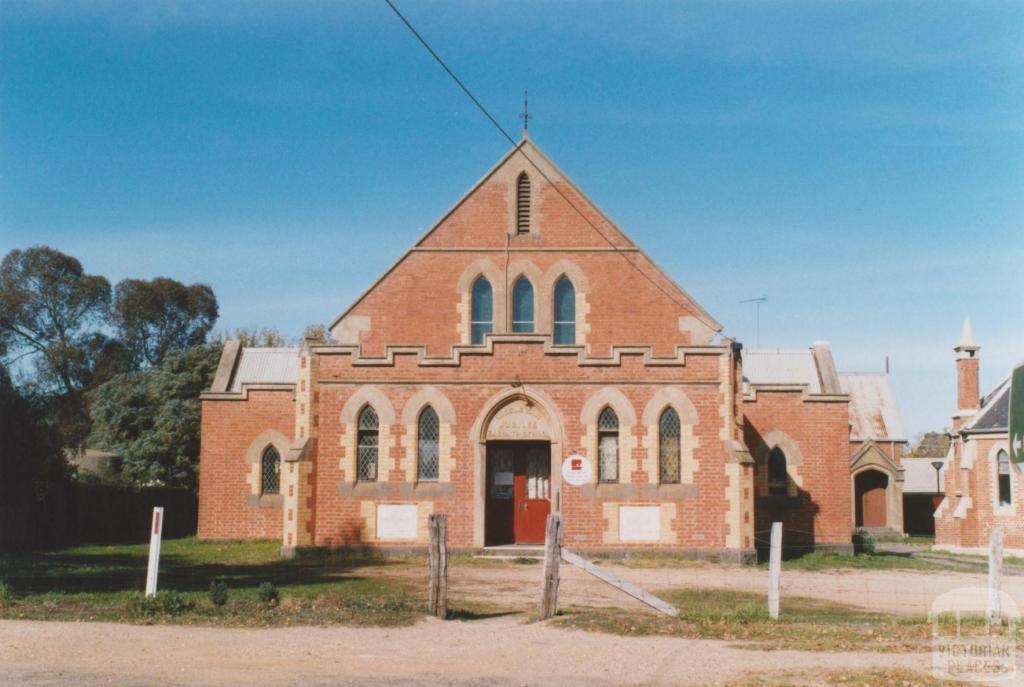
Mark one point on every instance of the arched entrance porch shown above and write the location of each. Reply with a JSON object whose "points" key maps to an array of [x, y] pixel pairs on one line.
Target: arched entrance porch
{"points": [[517, 481]]}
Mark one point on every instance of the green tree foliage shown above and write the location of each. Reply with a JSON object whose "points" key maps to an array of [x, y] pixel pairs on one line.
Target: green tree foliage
{"points": [[32, 468], [247, 337], [931, 444], [162, 315], [52, 311], [151, 417]]}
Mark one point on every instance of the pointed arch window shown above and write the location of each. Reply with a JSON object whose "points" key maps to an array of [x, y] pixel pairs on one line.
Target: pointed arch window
{"points": [[427, 445], [270, 471], [482, 318], [565, 312], [522, 306], [368, 437], [669, 446], [1005, 490], [608, 446], [523, 204], [778, 477]]}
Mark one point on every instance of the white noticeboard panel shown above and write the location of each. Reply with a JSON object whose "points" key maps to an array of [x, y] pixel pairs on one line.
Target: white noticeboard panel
{"points": [[396, 521], [639, 523]]}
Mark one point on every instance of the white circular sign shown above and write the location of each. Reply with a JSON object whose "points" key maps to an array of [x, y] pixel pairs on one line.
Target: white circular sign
{"points": [[577, 470]]}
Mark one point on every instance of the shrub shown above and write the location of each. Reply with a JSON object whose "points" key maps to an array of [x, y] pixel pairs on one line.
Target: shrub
{"points": [[163, 603], [6, 595], [267, 593], [218, 592], [863, 542]]}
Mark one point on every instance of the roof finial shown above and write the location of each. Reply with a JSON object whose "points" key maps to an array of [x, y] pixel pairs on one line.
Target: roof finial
{"points": [[967, 333], [526, 116]]}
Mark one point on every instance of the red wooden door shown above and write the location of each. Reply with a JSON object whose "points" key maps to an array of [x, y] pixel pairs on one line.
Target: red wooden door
{"points": [[532, 492]]}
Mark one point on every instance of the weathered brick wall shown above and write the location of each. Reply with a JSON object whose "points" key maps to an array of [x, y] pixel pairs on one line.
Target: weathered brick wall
{"points": [[821, 510], [227, 507], [978, 482]]}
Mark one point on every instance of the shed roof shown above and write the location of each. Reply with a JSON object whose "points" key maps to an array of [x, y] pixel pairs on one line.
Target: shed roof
{"points": [[874, 413], [919, 475], [265, 366], [781, 366], [994, 415]]}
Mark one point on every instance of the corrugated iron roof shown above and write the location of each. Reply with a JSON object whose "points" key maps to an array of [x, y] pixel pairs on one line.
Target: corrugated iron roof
{"points": [[781, 366], [265, 366], [919, 475], [873, 410], [995, 411]]}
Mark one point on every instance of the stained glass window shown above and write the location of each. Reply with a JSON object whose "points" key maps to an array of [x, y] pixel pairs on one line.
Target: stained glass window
{"points": [[427, 451], [522, 306], [271, 471], [482, 319], [778, 479], [669, 446], [608, 446], [368, 441], [1005, 491], [565, 312]]}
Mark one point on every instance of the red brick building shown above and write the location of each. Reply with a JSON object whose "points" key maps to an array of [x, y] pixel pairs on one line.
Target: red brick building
{"points": [[983, 490], [523, 357]]}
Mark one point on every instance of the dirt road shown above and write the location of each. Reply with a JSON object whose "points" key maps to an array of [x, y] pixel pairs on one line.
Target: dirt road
{"points": [[496, 651]]}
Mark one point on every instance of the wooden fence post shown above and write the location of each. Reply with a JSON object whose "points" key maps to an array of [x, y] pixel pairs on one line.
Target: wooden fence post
{"points": [[774, 570], [552, 557], [995, 577], [437, 590]]}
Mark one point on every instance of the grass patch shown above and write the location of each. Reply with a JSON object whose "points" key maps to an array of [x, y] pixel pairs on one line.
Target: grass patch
{"points": [[845, 678], [651, 560], [805, 624], [104, 583], [820, 561]]}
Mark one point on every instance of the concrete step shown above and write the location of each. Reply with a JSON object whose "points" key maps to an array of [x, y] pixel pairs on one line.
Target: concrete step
{"points": [[512, 551]]}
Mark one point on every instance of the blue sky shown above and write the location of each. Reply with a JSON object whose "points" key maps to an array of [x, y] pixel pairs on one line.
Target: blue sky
{"points": [[860, 164]]}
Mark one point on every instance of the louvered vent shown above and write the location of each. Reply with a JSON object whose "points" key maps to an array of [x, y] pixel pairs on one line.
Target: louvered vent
{"points": [[523, 204]]}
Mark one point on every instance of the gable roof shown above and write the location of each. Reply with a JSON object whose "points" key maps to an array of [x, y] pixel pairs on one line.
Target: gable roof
{"points": [[265, 366], [781, 366], [874, 413], [529, 149], [994, 415]]}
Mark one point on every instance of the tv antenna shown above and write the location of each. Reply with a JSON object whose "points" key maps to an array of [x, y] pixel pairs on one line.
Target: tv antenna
{"points": [[757, 313]]}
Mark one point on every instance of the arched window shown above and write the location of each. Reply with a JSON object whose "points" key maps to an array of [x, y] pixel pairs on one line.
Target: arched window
{"points": [[522, 306], [270, 471], [565, 312], [1005, 491], [482, 319], [668, 446], [427, 444], [778, 479], [608, 446], [523, 204], [368, 443]]}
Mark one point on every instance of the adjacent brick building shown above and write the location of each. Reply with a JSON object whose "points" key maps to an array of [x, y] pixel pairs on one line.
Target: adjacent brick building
{"points": [[524, 357], [983, 490]]}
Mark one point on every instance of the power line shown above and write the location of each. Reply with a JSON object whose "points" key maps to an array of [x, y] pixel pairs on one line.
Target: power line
{"points": [[540, 171]]}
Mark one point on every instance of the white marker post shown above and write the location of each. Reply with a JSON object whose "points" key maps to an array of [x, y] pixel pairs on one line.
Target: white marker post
{"points": [[995, 577], [154, 550], [774, 570]]}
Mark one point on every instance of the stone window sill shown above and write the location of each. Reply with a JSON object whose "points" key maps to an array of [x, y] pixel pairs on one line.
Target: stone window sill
{"points": [[264, 500]]}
